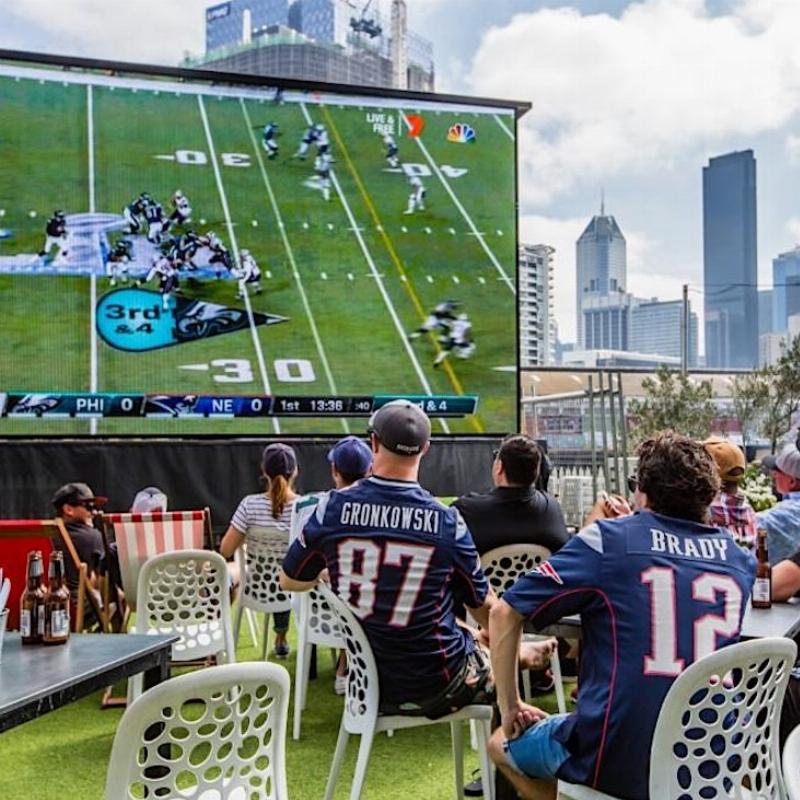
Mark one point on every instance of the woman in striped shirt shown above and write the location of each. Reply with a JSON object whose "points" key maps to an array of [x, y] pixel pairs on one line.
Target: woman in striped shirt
{"points": [[269, 509]]}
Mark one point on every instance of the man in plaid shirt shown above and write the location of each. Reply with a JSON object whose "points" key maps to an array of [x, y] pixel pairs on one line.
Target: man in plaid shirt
{"points": [[731, 509]]}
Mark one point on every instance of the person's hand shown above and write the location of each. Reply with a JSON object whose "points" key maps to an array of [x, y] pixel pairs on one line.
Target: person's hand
{"points": [[608, 507], [519, 717], [483, 637]]}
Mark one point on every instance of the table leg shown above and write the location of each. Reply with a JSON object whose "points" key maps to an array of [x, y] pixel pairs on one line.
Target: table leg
{"points": [[159, 673], [312, 671]]}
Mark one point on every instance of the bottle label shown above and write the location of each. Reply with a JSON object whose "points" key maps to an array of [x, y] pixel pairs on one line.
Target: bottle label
{"points": [[40, 620], [25, 623], [762, 590], [59, 623]]}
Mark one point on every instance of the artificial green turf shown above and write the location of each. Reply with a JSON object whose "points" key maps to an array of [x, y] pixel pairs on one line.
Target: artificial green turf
{"points": [[63, 755]]}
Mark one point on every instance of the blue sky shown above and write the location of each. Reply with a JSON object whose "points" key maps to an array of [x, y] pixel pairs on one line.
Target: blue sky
{"points": [[632, 97]]}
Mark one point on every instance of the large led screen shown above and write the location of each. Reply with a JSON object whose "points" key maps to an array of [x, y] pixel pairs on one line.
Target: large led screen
{"points": [[185, 257]]}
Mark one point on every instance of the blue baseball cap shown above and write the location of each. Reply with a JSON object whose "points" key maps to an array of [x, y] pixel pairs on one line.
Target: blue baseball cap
{"points": [[351, 456]]}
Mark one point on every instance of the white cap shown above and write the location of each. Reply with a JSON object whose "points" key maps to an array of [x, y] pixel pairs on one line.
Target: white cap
{"points": [[149, 500]]}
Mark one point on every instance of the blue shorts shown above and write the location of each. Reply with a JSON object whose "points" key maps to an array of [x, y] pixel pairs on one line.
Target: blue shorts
{"points": [[536, 753]]}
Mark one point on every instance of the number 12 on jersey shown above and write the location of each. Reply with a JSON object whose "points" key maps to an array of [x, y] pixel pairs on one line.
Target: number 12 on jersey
{"points": [[360, 564], [663, 659]]}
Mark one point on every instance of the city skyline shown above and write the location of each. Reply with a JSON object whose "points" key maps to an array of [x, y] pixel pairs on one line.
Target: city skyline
{"points": [[631, 96]]}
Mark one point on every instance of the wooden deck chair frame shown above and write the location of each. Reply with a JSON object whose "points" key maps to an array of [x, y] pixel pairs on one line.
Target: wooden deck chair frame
{"points": [[52, 529]]}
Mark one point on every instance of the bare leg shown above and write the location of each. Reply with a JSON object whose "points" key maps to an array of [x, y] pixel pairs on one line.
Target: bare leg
{"points": [[527, 788]]}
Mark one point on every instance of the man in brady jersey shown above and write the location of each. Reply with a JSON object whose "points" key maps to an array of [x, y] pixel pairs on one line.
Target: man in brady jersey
{"points": [[400, 560], [167, 275], [247, 273], [656, 590], [416, 199], [269, 139]]}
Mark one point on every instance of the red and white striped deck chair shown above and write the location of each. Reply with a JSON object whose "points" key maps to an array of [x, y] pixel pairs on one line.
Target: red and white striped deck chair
{"points": [[141, 536]]}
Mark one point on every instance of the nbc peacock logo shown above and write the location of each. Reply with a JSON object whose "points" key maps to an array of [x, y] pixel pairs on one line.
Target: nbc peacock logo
{"points": [[461, 133]]}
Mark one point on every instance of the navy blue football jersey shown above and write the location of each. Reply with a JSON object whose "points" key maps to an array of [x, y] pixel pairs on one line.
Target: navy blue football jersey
{"points": [[654, 594], [400, 559]]}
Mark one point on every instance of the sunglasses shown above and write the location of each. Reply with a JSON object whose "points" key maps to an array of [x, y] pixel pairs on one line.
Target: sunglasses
{"points": [[85, 503]]}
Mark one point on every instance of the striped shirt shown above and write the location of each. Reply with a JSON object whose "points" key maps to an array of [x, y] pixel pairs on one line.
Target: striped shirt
{"points": [[255, 510]]}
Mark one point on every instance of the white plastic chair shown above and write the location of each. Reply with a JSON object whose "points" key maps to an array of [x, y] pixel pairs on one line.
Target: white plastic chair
{"points": [[503, 567], [791, 764], [316, 625], [220, 733], [361, 715], [721, 712], [260, 559], [186, 593]]}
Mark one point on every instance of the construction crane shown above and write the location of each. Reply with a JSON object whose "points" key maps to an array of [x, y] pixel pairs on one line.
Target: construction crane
{"points": [[364, 25]]}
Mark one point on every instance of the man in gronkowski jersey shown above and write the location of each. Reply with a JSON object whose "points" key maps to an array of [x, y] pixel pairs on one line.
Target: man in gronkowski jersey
{"points": [[656, 590], [400, 560]]}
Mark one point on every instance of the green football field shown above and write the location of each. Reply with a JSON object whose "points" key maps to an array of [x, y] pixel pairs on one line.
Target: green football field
{"points": [[352, 276]]}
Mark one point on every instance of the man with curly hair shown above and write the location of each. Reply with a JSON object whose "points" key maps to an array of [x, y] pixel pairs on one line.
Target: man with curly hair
{"points": [[656, 590]]}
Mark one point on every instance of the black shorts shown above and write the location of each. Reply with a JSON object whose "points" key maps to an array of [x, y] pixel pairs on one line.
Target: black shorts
{"points": [[472, 684]]}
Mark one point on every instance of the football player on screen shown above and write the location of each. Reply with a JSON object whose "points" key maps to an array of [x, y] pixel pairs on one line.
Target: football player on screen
{"points": [[118, 260], [309, 137], [269, 139], [323, 142], [181, 213], [134, 212], [322, 171], [163, 269], [247, 273], [154, 214], [416, 200], [55, 234], [458, 341], [219, 253], [391, 151], [438, 320]]}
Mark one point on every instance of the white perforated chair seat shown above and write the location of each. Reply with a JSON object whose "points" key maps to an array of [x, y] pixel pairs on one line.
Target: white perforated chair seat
{"points": [[218, 734], [791, 764]]}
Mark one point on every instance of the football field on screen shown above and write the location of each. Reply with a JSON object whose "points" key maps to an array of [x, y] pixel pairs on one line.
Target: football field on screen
{"points": [[350, 277]]}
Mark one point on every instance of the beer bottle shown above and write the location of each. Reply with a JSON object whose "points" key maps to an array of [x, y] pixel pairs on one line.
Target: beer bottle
{"points": [[56, 603], [32, 601], [762, 588]]}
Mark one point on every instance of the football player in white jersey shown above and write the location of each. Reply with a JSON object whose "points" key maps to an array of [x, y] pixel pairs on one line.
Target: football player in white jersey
{"points": [[440, 319], [163, 269], [182, 211], [269, 138], [416, 200], [247, 273], [459, 340], [309, 137], [391, 151], [322, 169]]}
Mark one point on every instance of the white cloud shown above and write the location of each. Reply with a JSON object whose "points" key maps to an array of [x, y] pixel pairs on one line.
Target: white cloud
{"points": [[792, 146], [793, 226], [619, 95]]}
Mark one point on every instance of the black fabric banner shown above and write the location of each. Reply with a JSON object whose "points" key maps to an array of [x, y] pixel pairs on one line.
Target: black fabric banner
{"points": [[197, 473]]}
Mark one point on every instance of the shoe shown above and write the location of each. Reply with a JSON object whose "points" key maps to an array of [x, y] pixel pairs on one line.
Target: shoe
{"points": [[475, 787], [340, 684], [282, 650]]}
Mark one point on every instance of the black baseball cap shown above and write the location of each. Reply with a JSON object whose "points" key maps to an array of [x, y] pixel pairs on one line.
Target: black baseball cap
{"points": [[401, 427], [278, 459], [76, 493]]}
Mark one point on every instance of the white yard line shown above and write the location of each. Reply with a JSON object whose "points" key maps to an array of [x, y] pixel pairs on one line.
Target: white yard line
{"points": [[93, 370], [478, 235], [290, 254], [508, 131], [262, 367], [379, 282]]}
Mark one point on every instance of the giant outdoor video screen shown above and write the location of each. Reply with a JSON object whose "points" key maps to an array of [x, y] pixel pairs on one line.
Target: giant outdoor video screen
{"points": [[185, 257]]}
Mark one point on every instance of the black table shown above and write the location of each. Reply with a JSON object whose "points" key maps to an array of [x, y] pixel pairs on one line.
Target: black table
{"points": [[37, 679], [782, 620]]}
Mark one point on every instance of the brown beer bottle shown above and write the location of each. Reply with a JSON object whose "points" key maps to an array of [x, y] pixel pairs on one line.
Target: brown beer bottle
{"points": [[762, 588], [56, 603], [31, 617]]}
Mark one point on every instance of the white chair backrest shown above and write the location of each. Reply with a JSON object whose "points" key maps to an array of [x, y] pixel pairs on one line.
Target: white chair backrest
{"points": [[186, 593], [363, 690], [719, 724], [319, 623], [142, 536], [503, 566], [791, 764], [218, 732], [260, 559]]}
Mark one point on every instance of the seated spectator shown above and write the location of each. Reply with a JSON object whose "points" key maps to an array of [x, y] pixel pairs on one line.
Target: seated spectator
{"points": [[401, 560], [149, 500], [270, 509], [351, 460], [731, 509], [782, 521], [75, 504], [641, 584], [514, 512]]}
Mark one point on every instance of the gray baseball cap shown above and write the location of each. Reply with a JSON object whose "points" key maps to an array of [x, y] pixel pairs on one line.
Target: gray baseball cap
{"points": [[402, 427], [789, 461]]}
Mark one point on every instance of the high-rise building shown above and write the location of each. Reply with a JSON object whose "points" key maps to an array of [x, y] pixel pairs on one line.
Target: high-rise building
{"points": [[765, 311], [537, 324], [657, 327], [729, 261], [785, 289], [601, 264], [332, 41]]}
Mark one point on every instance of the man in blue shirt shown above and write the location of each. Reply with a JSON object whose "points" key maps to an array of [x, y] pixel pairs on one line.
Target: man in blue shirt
{"points": [[782, 521], [656, 591]]}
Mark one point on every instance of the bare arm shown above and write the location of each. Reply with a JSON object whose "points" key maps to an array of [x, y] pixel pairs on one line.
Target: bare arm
{"points": [[785, 580], [231, 542], [291, 585], [481, 614]]}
